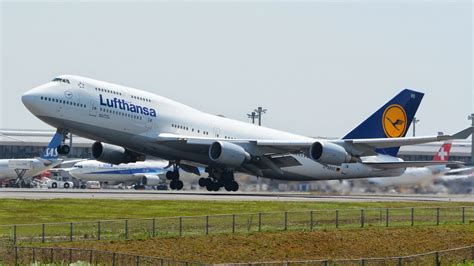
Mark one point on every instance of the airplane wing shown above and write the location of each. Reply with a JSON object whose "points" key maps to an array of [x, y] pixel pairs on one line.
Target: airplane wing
{"points": [[461, 171], [357, 147], [405, 164]]}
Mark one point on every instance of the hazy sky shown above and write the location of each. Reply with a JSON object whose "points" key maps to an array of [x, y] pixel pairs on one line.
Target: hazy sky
{"points": [[319, 68]]}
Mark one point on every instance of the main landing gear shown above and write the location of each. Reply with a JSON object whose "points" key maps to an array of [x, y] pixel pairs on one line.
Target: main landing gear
{"points": [[219, 178], [174, 177]]}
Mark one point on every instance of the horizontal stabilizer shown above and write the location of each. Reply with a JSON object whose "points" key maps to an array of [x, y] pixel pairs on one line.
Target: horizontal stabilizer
{"points": [[395, 165]]}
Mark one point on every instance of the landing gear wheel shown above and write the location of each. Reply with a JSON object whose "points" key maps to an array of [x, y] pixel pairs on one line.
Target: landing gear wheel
{"points": [[234, 186], [203, 181], [176, 184], [172, 175], [212, 186], [64, 149], [179, 184]]}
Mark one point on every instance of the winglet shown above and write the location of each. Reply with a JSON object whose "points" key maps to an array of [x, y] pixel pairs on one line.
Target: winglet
{"points": [[463, 134]]}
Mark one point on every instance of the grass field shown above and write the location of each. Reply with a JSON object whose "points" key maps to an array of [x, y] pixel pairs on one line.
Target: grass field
{"points": [[13, 211], [329, 243]]}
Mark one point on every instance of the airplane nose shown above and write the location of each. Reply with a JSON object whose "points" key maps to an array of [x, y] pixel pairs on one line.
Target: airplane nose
{"points": [[28, 99]]}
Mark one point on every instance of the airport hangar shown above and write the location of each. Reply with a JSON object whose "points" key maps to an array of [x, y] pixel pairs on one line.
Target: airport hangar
{"points": [[15, 143]]}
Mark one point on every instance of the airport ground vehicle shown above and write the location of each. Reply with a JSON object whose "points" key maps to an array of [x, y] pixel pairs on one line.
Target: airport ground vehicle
{"points": [[58, 183]]}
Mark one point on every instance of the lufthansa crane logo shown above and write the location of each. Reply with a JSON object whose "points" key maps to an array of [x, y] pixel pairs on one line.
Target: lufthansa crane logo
{"points": [[394, 121]]}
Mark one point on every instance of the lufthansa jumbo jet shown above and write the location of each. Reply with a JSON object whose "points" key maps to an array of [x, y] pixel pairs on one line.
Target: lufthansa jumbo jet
{"points": [[129, 124]]}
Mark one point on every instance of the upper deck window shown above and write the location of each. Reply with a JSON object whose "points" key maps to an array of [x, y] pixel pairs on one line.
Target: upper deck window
{"points": [[61, 80]]}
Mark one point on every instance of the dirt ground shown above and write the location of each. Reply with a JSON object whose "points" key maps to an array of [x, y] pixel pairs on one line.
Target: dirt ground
{"points": [[324, 244]]}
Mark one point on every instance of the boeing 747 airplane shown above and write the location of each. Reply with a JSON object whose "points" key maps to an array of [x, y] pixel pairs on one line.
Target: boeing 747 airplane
{"points": [[129, 124]]}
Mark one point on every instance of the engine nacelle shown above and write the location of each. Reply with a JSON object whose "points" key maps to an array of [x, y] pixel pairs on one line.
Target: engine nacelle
{"points": [[109, 153], [151, 180], [227, 153], [329, 153]]}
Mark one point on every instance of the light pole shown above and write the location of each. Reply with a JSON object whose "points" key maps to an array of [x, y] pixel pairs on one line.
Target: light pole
{"points": [[260, 111], [471, 117], [414, 125], [252, 115]]}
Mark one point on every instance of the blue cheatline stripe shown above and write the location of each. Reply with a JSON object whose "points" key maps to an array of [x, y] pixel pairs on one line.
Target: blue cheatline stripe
{"points": [[131, 171]]}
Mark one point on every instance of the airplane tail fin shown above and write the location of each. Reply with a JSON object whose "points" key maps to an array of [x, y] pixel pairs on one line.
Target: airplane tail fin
{"points": [[390, 121], [443, 153], [51, 152]]}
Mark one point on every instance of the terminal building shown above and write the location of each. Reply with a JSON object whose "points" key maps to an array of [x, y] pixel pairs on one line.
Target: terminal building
{"points": [[31, 143]]}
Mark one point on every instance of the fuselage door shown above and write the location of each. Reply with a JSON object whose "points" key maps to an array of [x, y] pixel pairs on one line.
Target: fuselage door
{"points": [[93, 108], [149, 122], [217, 132]]}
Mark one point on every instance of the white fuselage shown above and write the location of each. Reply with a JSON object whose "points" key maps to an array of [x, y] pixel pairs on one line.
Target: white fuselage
{"points": [[12, 168], [117, 174], [87, 108], [413, 176]]}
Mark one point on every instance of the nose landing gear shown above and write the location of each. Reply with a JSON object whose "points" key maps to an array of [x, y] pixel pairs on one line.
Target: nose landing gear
{"points": [[64, 149]]}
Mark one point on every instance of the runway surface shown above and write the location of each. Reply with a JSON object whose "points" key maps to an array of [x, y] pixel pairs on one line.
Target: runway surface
{"points": [[12, 193]]}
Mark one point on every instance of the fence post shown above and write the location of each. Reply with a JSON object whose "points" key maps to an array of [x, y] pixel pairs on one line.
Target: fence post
{"points": [[42, 233], [386, 217], [98, 230], [463, 216], [437, 216], [437, 260], [90, 256], [138, 260], [14, 235], [362, 262], [16, 255], [259, 221], [337, 218], [311, 220], [400, 261], [126, 228], [70, 256], [71, 230], [153, 229], [286, 221], [113, 259], [51, 254], [412, 216], [180, 226], [362, 218], [34, 255], [233, 223]]}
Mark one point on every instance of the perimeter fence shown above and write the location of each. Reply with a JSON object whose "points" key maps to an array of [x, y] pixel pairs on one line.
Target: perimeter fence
{"points": [[234, 223], [66, 256]]}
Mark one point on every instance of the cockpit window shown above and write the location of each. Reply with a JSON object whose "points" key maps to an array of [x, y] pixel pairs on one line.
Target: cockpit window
{"points": [[61, 80]]}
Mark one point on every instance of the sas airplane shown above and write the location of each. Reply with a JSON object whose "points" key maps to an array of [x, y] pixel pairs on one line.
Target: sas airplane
{"points": [[129, 124], [22, 169]]}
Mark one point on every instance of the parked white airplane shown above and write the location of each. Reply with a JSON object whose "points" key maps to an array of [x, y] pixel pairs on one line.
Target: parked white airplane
{"points": [[149, 173], [129, 124], [421, 175], [21, 169]]}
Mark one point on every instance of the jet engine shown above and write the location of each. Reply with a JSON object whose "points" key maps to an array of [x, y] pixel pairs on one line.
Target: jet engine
{"points": [[329, 153], [227, 153], [109, 153], [151, 180]]}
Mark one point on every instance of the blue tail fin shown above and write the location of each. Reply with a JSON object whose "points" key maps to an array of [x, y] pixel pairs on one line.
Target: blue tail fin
{"points": [[391, 121], [51, 152]]}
